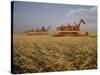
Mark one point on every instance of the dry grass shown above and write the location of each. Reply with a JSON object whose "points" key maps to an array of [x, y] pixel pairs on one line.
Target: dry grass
{"points": [[36, 33], [44, 53]]}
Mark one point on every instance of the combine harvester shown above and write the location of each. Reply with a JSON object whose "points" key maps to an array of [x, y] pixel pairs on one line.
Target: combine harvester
{"points": [[38, 31], [64, 30]]}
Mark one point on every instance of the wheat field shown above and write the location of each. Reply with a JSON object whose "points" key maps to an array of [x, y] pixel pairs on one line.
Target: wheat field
{"points": [[45, 53]]}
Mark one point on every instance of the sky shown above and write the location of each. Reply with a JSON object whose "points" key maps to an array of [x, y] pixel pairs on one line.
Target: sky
{"points": [[30, 15]]}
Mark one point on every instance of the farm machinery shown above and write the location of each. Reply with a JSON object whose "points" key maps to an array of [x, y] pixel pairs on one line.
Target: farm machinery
{"points": [[63, 30], [69, 29], [38, 31]]}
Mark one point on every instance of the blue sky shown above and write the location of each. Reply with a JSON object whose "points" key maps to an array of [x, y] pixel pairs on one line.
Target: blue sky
{"points": [[30, 15]]}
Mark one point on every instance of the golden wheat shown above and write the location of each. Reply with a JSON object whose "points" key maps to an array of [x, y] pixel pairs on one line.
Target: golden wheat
{"points": [[44, 53]]}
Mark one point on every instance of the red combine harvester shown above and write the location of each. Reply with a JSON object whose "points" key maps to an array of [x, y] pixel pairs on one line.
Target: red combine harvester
{"points": [[38, 31], [64, 30]]}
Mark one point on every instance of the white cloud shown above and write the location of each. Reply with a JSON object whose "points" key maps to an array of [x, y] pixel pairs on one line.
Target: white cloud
{"points": [[82, 13], [94, 9]]}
